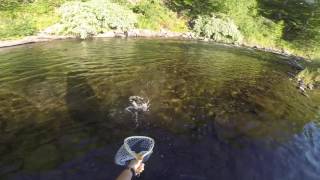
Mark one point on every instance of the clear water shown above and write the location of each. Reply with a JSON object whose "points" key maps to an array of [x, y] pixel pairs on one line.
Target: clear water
{"points": [[216, 112]]}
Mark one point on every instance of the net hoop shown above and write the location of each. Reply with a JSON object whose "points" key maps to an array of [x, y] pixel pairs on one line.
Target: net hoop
{"points": [[138, 156], [127, 153]]}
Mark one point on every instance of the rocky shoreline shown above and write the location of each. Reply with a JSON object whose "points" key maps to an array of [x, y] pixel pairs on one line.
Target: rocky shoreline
{"points": [[136, 33], [44, 36]]}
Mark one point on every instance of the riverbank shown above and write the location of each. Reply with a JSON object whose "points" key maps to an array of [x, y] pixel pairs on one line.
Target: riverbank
{"points": [[44, 36], [143, 33], [248, 23]]}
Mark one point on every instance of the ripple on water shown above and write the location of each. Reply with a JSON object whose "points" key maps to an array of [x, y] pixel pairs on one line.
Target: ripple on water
{"points": [[216, 112]]}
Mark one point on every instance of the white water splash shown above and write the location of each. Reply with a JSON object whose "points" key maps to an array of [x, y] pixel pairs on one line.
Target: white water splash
{"points": [[138, 105]]}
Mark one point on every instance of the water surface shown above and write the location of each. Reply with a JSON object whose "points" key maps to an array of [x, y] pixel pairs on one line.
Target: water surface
{"points": [[217, 112]]}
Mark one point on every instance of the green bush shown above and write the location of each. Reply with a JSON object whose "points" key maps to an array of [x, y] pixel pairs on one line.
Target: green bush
{"points": [[153, 14], [84, 19], [218, 28], [16, 27]]}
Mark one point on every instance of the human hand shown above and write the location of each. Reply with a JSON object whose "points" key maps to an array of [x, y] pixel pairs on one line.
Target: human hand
{"points": [[137, 166]]}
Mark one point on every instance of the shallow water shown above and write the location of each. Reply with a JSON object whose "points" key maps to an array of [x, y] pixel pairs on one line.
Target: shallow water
{"points": [[216, 112]]}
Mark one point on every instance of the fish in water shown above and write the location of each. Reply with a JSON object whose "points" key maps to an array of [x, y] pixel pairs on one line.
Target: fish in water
{"points": [[138, 105]]}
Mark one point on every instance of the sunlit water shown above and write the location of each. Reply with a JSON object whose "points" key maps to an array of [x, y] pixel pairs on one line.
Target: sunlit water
{"points": [[216, 112]]}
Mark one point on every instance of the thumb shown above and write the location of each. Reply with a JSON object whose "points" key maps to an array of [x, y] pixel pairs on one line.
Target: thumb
{"points": [[139, 162]]}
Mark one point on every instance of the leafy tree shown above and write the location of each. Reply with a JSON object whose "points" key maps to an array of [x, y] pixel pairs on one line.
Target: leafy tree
{"points": [[153, 14], [194, 8], [301, 19]]}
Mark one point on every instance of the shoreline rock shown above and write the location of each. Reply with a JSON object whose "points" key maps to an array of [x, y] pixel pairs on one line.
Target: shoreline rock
{"points": [[145, 33]]}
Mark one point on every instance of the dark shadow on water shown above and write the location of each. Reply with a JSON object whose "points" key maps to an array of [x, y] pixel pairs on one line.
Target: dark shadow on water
{"points": [[82, 103], [90, 114]]}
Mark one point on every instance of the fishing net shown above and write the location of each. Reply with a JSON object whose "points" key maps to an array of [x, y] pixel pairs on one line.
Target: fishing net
{"points": [[134, 147]]}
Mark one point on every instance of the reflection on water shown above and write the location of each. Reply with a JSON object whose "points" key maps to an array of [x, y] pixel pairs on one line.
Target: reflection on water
{"points": [[217, 112]]}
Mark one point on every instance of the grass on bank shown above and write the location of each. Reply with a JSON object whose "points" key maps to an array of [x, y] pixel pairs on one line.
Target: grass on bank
{"points": [[23, 19]]}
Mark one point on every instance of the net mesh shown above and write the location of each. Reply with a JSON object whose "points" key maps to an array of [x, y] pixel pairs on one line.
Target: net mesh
{"points": [[134, 147]]}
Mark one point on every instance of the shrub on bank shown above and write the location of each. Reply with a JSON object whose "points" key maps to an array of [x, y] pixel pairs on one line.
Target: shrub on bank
{"points": [[218, 28], [84, 19]]}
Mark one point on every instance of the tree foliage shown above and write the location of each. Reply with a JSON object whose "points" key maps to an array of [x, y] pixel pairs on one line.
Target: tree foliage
{"points": [[301, 19], [288, 24], [153, 14], [194, 8]]}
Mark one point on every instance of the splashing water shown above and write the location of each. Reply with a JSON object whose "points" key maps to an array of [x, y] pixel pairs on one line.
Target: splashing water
{"points": [[138, 105]]}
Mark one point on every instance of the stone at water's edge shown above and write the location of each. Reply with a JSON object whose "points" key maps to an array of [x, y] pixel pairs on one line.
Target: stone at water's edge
{"points": [[146, 33]]}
